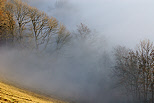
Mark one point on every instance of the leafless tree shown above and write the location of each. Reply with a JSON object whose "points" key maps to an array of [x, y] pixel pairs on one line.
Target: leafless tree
{"points": [[135, 70]]}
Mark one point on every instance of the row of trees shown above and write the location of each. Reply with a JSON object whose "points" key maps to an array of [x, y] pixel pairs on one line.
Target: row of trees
{"points": [[26, 26], [135, 70]]}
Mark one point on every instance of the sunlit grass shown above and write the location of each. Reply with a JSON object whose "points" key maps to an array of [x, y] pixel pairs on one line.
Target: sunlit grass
{"points": [[10, 94]]}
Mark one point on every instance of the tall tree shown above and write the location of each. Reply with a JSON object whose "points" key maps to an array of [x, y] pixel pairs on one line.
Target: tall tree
{"points": [[21, 12]]}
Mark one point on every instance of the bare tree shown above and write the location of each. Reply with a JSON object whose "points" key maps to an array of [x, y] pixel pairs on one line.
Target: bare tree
{"points": [[145, 50], [135, 70], [63, 36], [21, 11], [43, 27], [83, 31]]}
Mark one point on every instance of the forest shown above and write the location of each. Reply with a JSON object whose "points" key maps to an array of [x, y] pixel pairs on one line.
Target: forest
{"points": [[73, 65]]}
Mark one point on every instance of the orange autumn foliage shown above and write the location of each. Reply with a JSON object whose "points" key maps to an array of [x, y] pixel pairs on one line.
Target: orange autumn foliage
{"points": [[2, 13], [6, 21]]}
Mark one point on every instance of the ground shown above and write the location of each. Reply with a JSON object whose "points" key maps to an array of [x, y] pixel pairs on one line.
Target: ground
{"points": [[11, 94]]}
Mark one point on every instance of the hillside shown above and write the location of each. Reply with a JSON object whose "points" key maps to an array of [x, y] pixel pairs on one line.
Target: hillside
{"points": [[10, 94]]}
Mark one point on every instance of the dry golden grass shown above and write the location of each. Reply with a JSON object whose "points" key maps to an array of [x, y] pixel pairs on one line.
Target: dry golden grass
{"points": [[10, 94]]}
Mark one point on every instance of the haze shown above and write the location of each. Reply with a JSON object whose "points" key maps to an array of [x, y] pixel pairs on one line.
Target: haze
{"points": [[123, 22], [81, 71]]}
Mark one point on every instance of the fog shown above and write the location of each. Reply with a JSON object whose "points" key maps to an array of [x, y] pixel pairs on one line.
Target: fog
{"points": [[79, 74], [122, 21], [81, 71]]}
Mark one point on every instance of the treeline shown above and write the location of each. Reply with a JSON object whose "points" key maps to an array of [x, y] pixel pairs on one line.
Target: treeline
{"points": [[26, 26], [135, 71]]}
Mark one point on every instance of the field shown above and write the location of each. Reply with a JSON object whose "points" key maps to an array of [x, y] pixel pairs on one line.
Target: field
{"points": [[11, 94]]}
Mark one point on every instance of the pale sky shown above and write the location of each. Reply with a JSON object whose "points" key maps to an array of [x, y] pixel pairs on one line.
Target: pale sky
{"points": [[123, 22]]}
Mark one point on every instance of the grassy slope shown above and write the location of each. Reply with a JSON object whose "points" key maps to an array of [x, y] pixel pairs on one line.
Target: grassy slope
{"points": [[10, 94]]}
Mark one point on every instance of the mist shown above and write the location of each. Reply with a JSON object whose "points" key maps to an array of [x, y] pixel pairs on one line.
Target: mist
{"points": [[79, 74], [121, 21], [82, 71]]}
